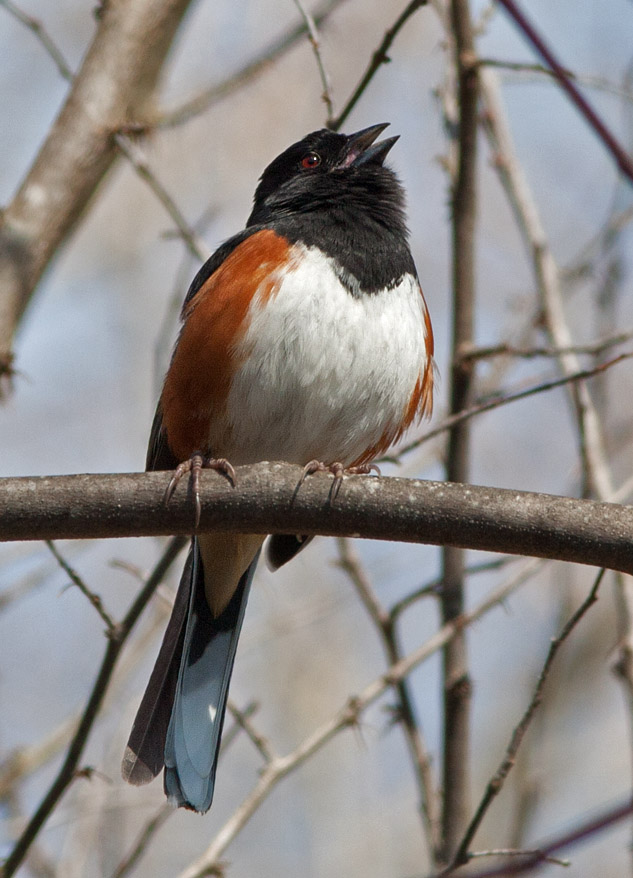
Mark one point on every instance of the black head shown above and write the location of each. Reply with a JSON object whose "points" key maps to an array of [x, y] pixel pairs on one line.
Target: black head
{"points": [[332, 172]]}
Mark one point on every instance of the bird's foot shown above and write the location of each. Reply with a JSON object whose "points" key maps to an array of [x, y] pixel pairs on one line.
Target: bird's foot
{"points": [[194, 465], [338, 470]]}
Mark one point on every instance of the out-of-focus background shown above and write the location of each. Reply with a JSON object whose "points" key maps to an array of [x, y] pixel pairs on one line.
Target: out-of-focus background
{"points": [[90, 356]]}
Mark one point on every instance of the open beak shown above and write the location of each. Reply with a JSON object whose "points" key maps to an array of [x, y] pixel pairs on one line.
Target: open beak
{"points": [[360, 147]]}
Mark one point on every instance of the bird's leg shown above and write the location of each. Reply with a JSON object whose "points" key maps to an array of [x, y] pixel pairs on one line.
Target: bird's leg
{"points": [[194, 465], [338, 470]]}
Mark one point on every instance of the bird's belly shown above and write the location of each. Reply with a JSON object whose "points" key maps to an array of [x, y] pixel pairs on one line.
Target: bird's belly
{"points": [[323, 373]]}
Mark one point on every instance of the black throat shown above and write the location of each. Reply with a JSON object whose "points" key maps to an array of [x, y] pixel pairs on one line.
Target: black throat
{"points": [[366, 258], [357, 220]]}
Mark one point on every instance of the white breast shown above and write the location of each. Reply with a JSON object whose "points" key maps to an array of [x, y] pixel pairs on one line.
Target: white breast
{"points": [[325, 374]]}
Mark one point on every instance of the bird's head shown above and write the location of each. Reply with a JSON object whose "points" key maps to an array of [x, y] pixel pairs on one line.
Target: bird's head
{"points": [[325, 170]]}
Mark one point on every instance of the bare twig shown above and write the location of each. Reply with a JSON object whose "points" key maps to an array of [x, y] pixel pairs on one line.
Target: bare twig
{"points": [[346, 717], [434, 587], [94, 599], [42, 35], [514, 852], [25, 760], [385, 624], [595, 460], [143, 839], [548, 848], [112, 89], [128, 147], [538, 71], [503, 350], [242, 721], [313, 36], [211, 96], [497, 781], [379, 58], [134, 154], [68, 769], [507, 398], [624, 161]]}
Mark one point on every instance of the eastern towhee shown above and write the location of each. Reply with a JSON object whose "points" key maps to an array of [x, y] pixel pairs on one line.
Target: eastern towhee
{"points": [[305, 338]]}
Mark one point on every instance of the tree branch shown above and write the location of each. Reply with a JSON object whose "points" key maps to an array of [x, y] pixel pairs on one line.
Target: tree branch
{"points": [[547, 849], [69, 767], [266, 500], [404, 711], [112, 90], [215, 93], [379, 58], [624, 161], [496, 783], [457, 687]]}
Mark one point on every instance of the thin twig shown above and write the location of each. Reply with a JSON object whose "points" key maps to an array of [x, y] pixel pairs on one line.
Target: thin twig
{"points": [[385, 624], [496, 783], [313, 36], [502, 350], [135, 156], [591, 439], [36, 26], [76, 579], [513, 852], [599, 83], [623, 160], [242, 721], [346, 717], [508, 398], [595, 459], [142, 841], [231, 733], [23, 761], [113, 88], [211, 96], [130, 150], [432, 588], [546, 849], [379, 58], [68, 769]]}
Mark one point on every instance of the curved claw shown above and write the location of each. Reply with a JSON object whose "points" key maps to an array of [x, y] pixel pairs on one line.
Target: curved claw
{"points": [[338, 471], [196, 463]]}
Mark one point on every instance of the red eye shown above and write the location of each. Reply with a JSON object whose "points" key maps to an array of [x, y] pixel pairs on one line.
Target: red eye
{"points": [[311, 160]]}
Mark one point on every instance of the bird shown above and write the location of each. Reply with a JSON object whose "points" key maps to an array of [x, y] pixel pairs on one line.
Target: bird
{"points": [[304, 338]]}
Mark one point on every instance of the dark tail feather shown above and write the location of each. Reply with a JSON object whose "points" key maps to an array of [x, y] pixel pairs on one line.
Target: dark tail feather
{"points": [[179, 723], [144, 754], [193, 737]]}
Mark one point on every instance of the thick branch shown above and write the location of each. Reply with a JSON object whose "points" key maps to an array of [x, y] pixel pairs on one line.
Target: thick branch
{"points": [[456, 756], [112, 89], [266, 500]]}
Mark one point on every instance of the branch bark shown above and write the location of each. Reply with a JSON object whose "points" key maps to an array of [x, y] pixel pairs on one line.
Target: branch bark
{"points": [[457, 687], [112, 90], [266, 500]]}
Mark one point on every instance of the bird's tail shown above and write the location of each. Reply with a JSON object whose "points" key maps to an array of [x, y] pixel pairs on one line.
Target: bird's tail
{"points": [[179, 722]]}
